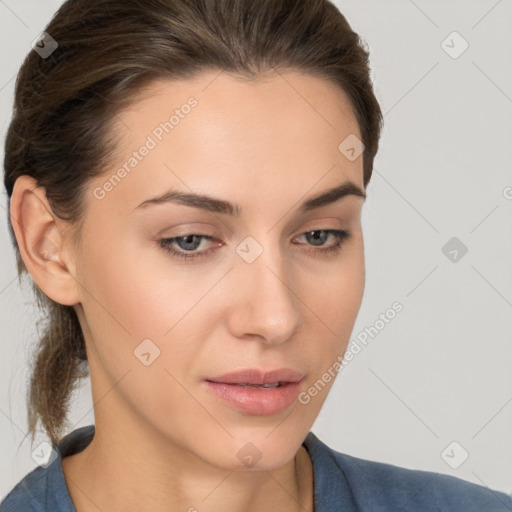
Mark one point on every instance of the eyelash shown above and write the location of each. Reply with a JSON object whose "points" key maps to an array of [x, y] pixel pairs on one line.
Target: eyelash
{"points": [[166, 244]]}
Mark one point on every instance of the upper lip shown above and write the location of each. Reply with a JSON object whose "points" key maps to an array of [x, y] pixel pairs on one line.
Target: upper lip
{"points": [[256, 376]]}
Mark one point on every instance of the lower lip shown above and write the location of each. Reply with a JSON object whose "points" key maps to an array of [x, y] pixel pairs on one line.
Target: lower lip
{"points": [[260, 401]]}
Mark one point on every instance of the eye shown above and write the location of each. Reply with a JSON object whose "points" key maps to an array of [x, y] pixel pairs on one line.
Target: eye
{"points": [[318, 237], [190, 242]]}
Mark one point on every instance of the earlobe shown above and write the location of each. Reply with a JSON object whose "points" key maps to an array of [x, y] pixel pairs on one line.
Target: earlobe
{"points": [[38, 233]]}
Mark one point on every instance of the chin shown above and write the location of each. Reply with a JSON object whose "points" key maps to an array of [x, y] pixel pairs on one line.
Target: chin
{"points": [[258, 451]]}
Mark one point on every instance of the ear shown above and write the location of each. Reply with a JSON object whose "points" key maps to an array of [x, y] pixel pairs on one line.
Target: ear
{"points": [[39, 235]]}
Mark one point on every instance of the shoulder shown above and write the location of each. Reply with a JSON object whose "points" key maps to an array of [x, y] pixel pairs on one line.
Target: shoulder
{"points": [[418, 490], [382, 487], [28, 494], [44, 489]]}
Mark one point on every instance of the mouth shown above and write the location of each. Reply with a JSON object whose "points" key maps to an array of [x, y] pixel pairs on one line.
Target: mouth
{"points": [[256, 392]]}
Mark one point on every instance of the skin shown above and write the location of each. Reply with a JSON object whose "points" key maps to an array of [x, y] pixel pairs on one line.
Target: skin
{"points": [[162, 441]]}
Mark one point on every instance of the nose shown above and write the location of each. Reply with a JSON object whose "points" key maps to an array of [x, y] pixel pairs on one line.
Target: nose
{"points": [[265, 306]]}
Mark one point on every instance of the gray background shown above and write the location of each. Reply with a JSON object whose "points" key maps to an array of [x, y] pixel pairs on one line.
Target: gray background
{"points": [[440, 371]]}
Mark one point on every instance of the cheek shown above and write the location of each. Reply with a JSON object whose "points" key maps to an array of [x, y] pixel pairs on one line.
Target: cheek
{"points": [[144, 293], [140, 331], [335, 302], [334, 298], [136, 294], [335, 291]]}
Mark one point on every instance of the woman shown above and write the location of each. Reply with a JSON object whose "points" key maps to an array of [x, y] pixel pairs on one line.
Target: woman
{"points": [[185, 183]]}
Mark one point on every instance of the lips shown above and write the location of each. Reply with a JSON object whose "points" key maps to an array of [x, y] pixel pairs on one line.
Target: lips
{"points": [[256, 377], [257, 392]]}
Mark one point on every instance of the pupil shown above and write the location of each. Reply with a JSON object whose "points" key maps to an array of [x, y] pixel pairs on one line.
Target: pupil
{"points": [[314, 238], [189, 240]]}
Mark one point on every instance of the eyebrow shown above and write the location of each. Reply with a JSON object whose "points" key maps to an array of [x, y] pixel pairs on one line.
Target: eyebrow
{"points": [[215, 205]]}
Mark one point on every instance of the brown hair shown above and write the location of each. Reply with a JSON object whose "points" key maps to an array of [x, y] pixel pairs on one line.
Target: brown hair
{"points": [[108, 50]]}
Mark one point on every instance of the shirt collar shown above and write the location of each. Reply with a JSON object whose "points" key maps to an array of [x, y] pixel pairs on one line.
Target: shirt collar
{"points": [[332, 491]]}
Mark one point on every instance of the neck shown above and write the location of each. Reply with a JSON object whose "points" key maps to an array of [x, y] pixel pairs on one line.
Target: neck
{"points": [[115, 473]]}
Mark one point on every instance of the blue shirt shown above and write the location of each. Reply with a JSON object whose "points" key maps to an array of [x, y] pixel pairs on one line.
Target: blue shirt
{"points": [[341, 483]]}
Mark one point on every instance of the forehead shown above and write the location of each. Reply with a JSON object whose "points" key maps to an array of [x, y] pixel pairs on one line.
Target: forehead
{"points": [[281, 130], [291, 95]]}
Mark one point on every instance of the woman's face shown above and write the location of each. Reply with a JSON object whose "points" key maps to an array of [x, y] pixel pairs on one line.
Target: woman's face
{"points": [[262, 293]]}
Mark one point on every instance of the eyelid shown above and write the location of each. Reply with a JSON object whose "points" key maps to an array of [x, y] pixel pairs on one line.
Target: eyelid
{"points": [[188, 228]]}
